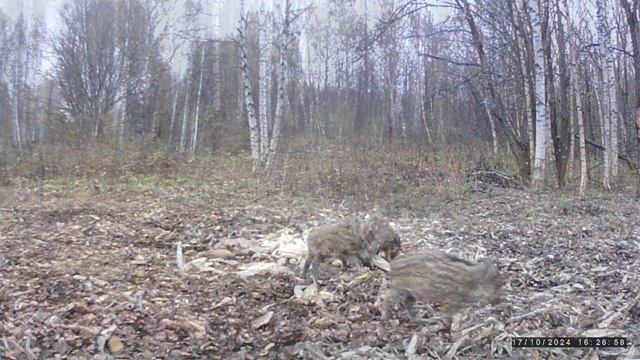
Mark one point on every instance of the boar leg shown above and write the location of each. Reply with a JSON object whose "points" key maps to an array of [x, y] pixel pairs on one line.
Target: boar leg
{"points": [[315, 262], [344, 259], [311, 259], [388, 299], [408, 302], [385, 306]]}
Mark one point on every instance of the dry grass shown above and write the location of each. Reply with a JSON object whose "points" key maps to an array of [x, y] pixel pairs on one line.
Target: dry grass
{"points": [[363, 171]]}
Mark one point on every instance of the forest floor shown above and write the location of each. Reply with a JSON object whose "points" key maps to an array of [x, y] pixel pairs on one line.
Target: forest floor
{"points": [[88, 270]]}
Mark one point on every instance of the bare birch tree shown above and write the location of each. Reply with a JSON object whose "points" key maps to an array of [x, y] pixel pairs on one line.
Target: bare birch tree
{"points": [[216, 12], [263, 81], [185, 119], [126, 83], [254, 135], [579, 117], [540, 94], [608, 94], [282, 71], [196, 117]]}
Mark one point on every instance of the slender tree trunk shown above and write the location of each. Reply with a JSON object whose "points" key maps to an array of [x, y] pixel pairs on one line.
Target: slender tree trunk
{"points": [[600, 103], [85, 72], [615, 115], [541, 111], [254, 135], [282, 71], [400, 113], [527, 75], [185, 113], [423, 111], [194, 139], [263, 83], [17, 130], [424, 100], [397, 113], [48, 111], [577, 91], [609, 109], [492, 123], [216, 56], [561, 131], [18, 95], [125, 96], [240, 91], [121, 123], [631, 12], [572, 130], [173, 117]]}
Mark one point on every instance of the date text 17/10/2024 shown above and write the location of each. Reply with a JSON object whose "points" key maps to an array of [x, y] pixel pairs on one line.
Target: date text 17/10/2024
{"points": [[569, 342]]}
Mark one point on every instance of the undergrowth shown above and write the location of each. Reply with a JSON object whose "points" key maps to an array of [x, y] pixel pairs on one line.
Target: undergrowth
{"points": [[399, 176]]}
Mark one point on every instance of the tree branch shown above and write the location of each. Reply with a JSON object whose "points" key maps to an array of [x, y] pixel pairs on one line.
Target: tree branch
{"points": [[454, 62]]}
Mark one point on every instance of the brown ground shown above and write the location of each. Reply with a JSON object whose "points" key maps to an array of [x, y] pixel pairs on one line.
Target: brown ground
{"points": [[89, 271]]}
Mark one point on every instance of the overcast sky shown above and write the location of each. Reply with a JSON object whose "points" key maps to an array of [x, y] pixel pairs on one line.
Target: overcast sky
{"points": [[228, 21], [49, 9]]}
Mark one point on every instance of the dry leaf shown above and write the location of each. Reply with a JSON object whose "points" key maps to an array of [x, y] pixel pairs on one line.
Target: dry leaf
{"points": [[262, 320]]}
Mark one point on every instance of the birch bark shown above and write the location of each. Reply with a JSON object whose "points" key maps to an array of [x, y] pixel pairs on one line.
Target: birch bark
{"points": [[577, 90], [263, 83], [194, 139], [282, 71], [541, 109], [185, 112], [609, 109], [173, 117], [254, 136]]}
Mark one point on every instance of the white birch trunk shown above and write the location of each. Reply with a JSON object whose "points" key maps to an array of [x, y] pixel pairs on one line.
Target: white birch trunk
{"points": [[425, 106], [263, 83], [123, 114], [173, 117], [492, 123], [17, 85], [601, 103], [541, 109], [615, 118], [216, 54], [577, 90], [254, 136], [185, 112], [282, 71], [17, 131], [607, 90], [572, 129], [194, 139]]}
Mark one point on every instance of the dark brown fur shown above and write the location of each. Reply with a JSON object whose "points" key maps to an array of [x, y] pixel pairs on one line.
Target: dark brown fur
{"points": [[432, 276]]}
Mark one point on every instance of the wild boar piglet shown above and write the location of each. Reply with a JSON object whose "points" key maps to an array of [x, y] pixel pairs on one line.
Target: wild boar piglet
{"points": [[340, 240], [351, 238], [435, 277]]}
